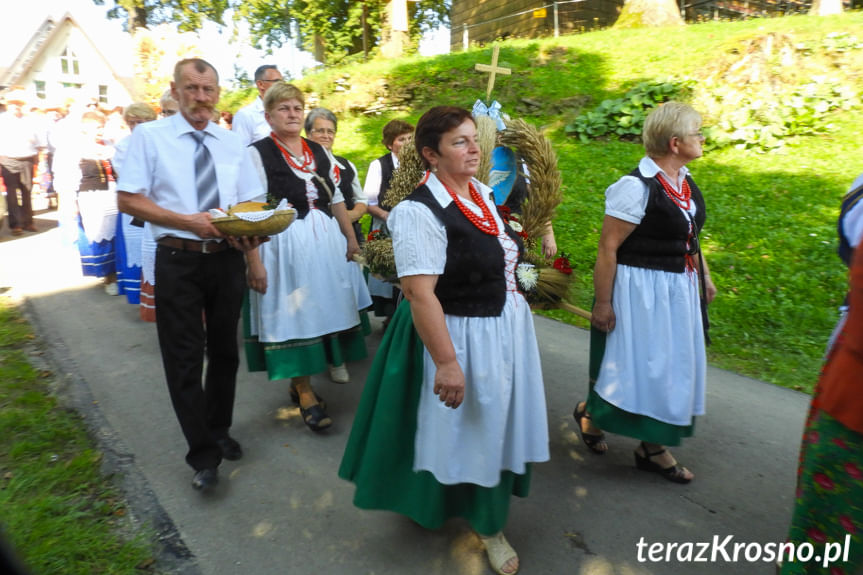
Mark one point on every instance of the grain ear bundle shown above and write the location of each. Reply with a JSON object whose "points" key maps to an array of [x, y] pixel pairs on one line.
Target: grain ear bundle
{"points": [[407, 176], [486, 129]]}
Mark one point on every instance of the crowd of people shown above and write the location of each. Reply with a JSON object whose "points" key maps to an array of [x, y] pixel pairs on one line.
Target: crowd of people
{"points": [[453, 411]]}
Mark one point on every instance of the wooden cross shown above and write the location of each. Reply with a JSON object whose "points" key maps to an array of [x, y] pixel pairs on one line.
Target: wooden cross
{"points": [[493, 70]]}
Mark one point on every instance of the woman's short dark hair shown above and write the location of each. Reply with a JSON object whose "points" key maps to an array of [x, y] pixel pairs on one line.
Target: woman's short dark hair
{"points": [[394, 129], [434, 124]]}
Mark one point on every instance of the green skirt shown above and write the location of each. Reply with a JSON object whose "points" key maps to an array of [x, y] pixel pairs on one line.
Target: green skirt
{"points": [[299, 357], [380, 452], [611, 418], [829, 503]]}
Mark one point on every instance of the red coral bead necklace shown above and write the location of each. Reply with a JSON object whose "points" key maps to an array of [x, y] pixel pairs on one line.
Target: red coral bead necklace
{"points": [[289, 157], [681, 198], [485, 223]]}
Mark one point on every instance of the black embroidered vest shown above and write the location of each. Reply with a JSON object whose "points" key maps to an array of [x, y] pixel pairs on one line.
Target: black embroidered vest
{"points": [[473, 283], [95, 175], [346, 178], [282, 182], [659, 241], [388, 166]]}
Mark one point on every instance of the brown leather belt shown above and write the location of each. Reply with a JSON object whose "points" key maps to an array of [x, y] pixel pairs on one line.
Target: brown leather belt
{"points": [[193, 245]]}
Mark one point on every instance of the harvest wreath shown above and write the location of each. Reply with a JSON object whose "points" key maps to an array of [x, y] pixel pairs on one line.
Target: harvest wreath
{"points": [[546, 283]]}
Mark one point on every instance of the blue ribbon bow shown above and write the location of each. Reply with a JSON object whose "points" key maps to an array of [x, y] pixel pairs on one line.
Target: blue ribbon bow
{"points": [[493, 112]]}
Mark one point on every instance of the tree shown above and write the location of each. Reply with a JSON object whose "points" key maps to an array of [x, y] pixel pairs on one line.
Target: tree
{"points": [[648, 14], [331, 29], [189, 15], [826, 7]]}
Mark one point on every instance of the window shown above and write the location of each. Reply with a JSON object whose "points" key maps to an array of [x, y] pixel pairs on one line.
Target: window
{"points": [[69, 62], [40, 89], [72, 85], [103, 94]]}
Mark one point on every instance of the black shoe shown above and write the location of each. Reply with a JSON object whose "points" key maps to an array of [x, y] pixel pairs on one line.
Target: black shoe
{"points": [[205, 479], [295, 397], [231, 449], [315, 417]]}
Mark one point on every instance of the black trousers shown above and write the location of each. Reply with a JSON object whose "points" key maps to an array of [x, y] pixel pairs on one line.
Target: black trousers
{"points": [[198, 302], [18, 175]]}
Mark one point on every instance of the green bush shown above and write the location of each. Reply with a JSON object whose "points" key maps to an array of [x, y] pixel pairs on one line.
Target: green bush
{"points": [[624, 117]]}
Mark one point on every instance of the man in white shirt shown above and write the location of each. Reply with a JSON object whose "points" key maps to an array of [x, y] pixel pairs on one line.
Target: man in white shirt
{"points": [[249, 122], [20, 143], [175, 169]]}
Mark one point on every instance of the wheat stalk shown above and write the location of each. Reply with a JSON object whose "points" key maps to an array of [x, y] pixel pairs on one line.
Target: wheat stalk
{"points": [[486, 129], [407, 176]]}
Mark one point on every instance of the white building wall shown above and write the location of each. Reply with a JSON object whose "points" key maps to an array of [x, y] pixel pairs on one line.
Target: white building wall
{"points": [[84, 86]]}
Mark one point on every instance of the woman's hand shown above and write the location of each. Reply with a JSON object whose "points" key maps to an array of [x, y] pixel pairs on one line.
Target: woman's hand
{"points": [[256, 276], [449, 384], [603, 317], [353, 248], [709, 289], [549, 245]]}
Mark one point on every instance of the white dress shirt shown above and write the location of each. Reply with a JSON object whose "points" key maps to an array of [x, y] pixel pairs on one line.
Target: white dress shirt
{"points": [[372, 187], [250, 124], [160, 163]]}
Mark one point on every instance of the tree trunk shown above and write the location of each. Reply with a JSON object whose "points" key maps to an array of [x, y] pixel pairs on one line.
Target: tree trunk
{"points": [[649, 14], [394, 36], [825, 7]]}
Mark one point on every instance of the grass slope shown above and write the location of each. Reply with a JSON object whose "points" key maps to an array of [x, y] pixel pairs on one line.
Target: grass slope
{"points": [[770, 235], [59, 512]]}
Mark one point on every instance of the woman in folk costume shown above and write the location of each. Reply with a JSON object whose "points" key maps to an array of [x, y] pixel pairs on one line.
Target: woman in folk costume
{"points": [[453, 412], [396, 134], [83, 169], [829, 505], [321, 126], [129, 234], [647, 360], [302, 311]]}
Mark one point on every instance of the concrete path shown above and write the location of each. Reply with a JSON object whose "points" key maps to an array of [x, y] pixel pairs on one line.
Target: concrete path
{"points": [[282, 508]]}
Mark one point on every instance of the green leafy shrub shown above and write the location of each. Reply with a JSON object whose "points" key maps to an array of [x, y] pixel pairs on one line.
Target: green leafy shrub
{"points": [[624, 117], [764, 119]]}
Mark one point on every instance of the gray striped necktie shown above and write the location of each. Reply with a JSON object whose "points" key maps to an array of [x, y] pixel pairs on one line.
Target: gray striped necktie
{"points": [[205, 174]]}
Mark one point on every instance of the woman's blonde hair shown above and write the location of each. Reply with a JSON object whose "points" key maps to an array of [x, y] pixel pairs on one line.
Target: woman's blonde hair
{"points": [[281, 92], [665, 122], [139, 111]]}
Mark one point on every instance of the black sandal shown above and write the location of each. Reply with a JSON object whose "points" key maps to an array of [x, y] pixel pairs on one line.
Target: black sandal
{"points": [[591, 440], [315, 417], [675, 473], [295, 397]]}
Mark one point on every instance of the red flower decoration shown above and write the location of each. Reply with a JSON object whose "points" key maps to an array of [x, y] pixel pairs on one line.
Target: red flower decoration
{"points": [[824, 481], [505, 213], [374, 235], [523, 234], [561, 264], [853, 471], [816, 535], [840, 443], [813, 437], [846, 522]]}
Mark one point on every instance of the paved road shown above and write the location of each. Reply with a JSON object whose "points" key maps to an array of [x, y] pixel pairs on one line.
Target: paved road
{"points": [[282, 509]]}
